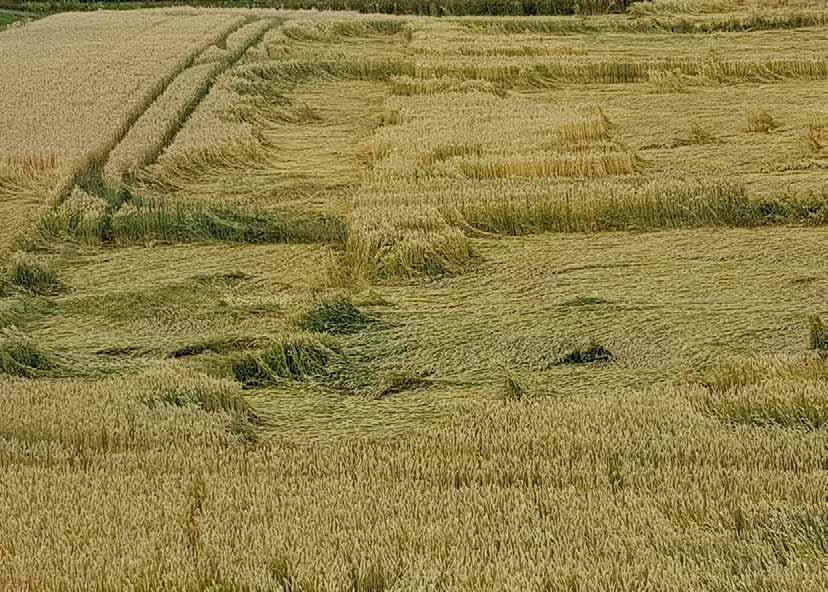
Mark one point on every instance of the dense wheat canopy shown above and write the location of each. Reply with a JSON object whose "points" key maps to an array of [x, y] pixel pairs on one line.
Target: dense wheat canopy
{"points": [[322, 301], [75, 84], [69, 113]]}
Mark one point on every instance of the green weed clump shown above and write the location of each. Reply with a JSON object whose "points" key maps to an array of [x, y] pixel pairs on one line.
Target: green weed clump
{"points": [[7, 20], [400, 381], [513, 388], [19, 356], [33, 277], [590, 353], [760, 121], [141, 221], [293, 357], [818, 334], [335, 315]]}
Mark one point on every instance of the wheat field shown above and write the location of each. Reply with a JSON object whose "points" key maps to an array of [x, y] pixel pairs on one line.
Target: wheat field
{"points": [[326, 301]]}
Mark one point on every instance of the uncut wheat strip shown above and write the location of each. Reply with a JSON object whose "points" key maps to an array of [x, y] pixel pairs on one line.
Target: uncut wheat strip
{"points": [[237, 44], [24, 142], [158, 124], [207, 136], [40, 117], [670, 7], [766, 19], [240, 40], [519, 72], [157, 127], [97, 156], [65, 117], [62, 39], [575, 165], [522, 205]]}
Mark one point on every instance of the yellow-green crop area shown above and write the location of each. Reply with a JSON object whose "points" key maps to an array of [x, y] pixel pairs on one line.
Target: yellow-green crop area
{"points": [[305, 301]]}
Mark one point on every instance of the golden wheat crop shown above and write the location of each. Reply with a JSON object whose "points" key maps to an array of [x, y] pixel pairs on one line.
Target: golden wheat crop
{"points": [[656, 7], [523, 495], [156, 128], [72, 126], [147, 137], [132, 76], [477, 367]]}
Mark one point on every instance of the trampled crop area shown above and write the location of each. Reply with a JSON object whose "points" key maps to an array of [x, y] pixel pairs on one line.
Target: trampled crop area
{"points": [[305, 300]]}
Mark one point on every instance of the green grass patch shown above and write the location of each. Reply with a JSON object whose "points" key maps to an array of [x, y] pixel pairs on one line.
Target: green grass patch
{"points": [[291, 357], [589, 353], [7, 19], [399, 381], [34, 277], [335, 315], [817, 334], [20, 356], [141, 221]]}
